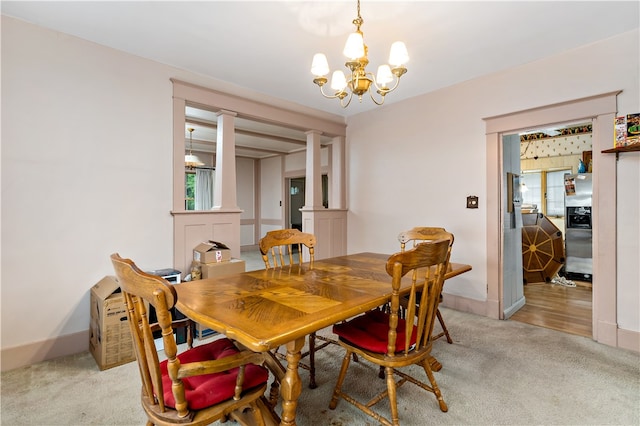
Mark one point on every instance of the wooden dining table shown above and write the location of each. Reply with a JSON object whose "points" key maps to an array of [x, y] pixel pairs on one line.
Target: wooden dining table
{"points": [[266, 309]]}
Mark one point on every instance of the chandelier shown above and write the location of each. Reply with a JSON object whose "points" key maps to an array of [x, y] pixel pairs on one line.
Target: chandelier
{"points": [[359, 80], [190, 160]]}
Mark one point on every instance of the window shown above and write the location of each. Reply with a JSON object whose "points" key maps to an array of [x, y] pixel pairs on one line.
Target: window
{"points": [[545, 189], [532, 181], [555, 192], [190, 190]]}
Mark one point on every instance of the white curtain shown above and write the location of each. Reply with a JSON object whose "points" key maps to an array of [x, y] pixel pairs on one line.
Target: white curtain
{"points": [[204, 189]]}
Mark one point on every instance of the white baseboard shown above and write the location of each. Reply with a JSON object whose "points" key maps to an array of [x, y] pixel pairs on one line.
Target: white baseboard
{"points": [[33, 353], [628, 339], [464, 304], [606, 332]]}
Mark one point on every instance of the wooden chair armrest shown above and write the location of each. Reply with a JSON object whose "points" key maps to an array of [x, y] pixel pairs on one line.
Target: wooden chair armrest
{"points": [[218, 365], [272, 363]]}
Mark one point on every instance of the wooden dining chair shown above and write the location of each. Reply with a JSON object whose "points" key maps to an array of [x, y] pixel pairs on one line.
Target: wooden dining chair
{"points": [[387, 340], [421, 234], [201, 385], [285, 247]]}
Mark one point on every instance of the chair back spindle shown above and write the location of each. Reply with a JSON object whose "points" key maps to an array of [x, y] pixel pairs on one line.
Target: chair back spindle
{"points": [[419, 235], [277, 247], [427, 264]]}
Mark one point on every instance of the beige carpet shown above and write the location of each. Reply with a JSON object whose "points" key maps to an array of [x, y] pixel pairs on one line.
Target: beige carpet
{"points": [[495, 373]]}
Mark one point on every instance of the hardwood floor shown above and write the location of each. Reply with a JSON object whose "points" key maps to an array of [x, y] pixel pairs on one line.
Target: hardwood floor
{"points": [[566, 309]]}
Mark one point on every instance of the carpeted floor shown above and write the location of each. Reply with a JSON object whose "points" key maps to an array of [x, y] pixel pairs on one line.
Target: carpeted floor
{"points": [[495, 373]]}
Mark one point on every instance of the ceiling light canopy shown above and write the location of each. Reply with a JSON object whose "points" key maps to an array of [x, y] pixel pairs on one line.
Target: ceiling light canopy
{"points": [[359, 80], [190, 160]]}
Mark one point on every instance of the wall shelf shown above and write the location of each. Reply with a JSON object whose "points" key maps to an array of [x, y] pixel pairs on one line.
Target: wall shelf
{"points": [[618, 150], [629, 148]]}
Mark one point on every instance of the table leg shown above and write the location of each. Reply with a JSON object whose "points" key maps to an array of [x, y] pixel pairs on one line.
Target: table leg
{"points": [[291, 386]]}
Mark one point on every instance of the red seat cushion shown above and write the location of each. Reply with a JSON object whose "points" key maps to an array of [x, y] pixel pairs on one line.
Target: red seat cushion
{"points": [[210, 389], [370, 332]]}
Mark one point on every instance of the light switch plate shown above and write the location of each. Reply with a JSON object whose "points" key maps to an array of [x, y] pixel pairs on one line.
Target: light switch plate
{"points": [[472, 202]]}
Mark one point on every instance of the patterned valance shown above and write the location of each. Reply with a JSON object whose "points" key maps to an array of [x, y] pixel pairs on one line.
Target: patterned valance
{"points": [[567, 131]]}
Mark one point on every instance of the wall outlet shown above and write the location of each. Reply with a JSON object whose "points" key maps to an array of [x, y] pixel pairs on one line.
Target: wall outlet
{"points": [[472, 202]]}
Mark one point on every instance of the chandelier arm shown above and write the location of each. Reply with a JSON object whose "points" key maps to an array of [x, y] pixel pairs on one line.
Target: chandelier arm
{"points": [[334, 96], [375, 101], [342, 104], [387, 89]]}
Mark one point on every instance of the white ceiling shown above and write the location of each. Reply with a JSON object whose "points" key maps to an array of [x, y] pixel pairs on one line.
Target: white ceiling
{"points": [[267, 46]]}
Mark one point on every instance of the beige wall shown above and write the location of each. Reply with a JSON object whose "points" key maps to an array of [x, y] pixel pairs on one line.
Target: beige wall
{"points": [[86, 171], [92, 174], [433, 148]]}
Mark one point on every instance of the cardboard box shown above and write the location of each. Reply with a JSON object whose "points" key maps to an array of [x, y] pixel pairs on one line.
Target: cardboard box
{"points": [[110, 340], [211, 251], [220, 269]]}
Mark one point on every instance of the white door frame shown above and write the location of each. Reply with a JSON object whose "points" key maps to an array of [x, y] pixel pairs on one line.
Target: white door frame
{"points": [[601, 109]]}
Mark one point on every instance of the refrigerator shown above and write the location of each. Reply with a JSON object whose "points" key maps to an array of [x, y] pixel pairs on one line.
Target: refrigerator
{"points": [[578, 221]]}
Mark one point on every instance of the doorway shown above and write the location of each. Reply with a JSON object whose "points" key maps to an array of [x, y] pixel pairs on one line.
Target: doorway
{"points": [[296, 199], [601, 109], [296, 202], [553, 299]]}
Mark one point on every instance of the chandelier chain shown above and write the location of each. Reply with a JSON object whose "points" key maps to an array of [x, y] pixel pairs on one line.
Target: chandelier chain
{"points": [[358, 21]]}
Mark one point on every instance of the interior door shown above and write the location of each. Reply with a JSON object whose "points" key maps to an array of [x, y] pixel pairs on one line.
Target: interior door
{"points": [[296, 202], [512, 282]]}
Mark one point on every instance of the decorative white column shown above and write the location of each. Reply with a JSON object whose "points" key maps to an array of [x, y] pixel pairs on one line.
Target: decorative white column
{"points": [[224, 194], [179, 106], [313, 183], [338, 198], [328, 225]]}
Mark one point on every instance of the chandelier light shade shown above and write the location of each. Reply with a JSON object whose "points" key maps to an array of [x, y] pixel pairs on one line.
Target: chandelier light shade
{"points": [[360, 81], [354, 47], [190, 160]]}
